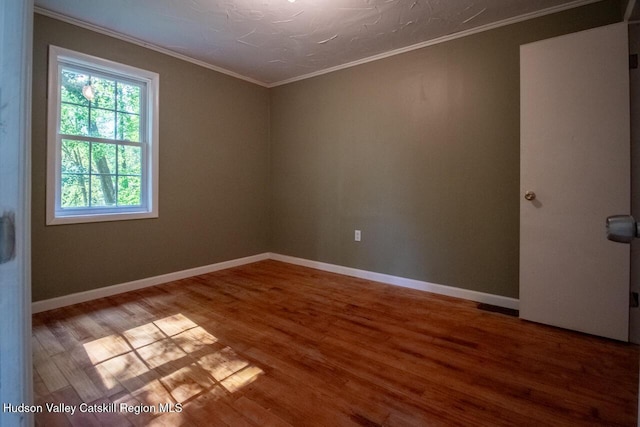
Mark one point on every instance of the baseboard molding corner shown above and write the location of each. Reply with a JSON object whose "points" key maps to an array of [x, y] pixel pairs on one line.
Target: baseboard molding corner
{"points": [[76, 298], [107, 291], [497, 300]]}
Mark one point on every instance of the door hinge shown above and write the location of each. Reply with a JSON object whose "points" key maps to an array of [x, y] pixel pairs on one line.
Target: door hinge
{"points": [[7, 237], [633, 61]]}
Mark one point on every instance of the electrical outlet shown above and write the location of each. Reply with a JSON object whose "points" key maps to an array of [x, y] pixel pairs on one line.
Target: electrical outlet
{"points": [[357, 236]]}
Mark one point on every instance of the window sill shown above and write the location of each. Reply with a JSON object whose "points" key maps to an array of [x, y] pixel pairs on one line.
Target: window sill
{"points": [[98, 217]]}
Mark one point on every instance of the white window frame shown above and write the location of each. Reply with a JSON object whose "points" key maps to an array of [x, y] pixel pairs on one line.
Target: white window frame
{"points": [[58, 58]]}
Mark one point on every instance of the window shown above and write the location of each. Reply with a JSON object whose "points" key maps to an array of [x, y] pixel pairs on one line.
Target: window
{"points": [[102, 140]]}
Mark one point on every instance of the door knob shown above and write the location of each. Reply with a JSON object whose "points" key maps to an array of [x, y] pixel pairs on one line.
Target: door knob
{"points": [[530, 195], [622, 228]]}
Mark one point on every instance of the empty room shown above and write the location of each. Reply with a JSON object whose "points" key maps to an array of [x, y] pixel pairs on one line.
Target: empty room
{"points": [[319, 213]]}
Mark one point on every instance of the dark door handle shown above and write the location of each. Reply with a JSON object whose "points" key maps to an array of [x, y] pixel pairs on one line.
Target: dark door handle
{"points": [[7, 237]]}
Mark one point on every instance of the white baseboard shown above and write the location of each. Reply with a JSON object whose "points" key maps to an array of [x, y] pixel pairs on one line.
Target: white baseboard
{"points": [[108, 291], [451, 291]]}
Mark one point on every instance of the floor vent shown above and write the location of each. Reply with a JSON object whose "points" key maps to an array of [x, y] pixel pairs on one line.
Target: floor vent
{"points": [[496, 309]]}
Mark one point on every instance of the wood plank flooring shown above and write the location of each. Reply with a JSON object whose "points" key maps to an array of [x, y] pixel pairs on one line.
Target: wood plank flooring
{"points": [[272, 344]]}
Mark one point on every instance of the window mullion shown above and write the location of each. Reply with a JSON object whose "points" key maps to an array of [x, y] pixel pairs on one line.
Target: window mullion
{"points": [[115, 104], [90, 173], [89, 124], [102, 140]]}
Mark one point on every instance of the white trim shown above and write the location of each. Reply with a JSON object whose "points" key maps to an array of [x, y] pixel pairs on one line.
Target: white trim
{"points": [[25, 191], [482, 28], [443, 39], [151, 46], [451, 291], [16, 41], [100, 217], [63, 301], [150, 85], [25, 201]]}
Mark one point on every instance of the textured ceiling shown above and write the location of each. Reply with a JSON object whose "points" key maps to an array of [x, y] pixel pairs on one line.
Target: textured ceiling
{"points": [[272, 41]]}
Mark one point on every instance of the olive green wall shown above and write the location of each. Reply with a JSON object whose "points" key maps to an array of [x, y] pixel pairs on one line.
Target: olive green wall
{"points": [[420, 151], [213, 175]]}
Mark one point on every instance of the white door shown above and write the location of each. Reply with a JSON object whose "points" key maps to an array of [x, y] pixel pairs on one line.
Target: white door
{"points": [[575, 157], [16, 26]]}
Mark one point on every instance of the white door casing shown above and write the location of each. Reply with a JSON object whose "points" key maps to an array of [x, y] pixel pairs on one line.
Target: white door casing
{"points": [[16, 27], [575, 156]]}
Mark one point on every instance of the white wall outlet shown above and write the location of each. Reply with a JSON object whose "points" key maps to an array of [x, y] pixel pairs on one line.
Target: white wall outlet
{"points": [[357, 236]]}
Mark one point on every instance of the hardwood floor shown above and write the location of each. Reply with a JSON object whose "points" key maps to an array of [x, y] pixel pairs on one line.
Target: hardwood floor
{"points": [[272, 344]]}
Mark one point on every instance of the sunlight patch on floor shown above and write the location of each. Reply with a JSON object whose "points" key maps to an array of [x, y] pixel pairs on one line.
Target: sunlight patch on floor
{"points": [[105, 348], [241, 379], [125, 367], [154, 363], [222, 364], [175, 324], [187, 382], [161, 352], [143, 335], [194, 339]]}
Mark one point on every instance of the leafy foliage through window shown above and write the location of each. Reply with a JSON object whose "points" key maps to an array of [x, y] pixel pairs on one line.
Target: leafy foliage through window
{"points": [[103, 141], [95, 173]]}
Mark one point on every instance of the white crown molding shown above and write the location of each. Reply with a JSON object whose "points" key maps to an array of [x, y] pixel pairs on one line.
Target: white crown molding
{"points": [[482, 28], [151, 46], [443, 39]]}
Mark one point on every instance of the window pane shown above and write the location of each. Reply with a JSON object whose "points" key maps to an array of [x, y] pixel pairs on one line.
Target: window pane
{"points": [[103, 123], [75, 156], [71, 84], [129, 191], [128, 98], [105, 93], [103, 158], [103, 190], [74, 120], [129, 160], [128, 127], [75, 190]]}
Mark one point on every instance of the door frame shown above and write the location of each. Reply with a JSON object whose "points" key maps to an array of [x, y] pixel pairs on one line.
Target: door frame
{"points": [[16, 355]]}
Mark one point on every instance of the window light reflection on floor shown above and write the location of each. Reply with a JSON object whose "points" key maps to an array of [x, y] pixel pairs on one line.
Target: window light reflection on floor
{"points": [[172, 357]]}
